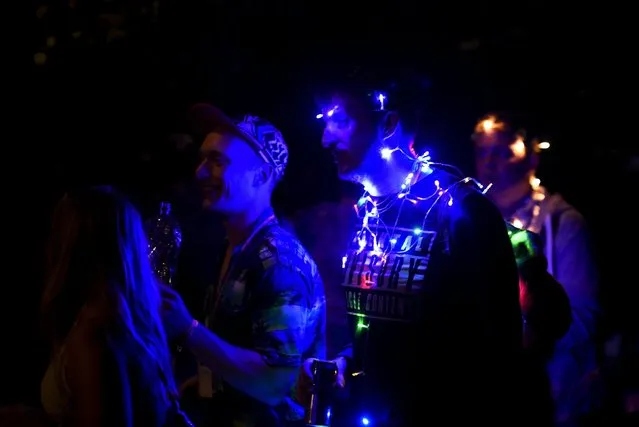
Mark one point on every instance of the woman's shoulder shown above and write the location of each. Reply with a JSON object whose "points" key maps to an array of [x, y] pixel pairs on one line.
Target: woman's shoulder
{"points": [[87, 346], [89, 329]]}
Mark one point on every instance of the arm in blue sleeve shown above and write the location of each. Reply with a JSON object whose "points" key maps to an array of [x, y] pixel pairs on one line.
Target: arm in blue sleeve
{"points": [[282, 328], [285, 318]]}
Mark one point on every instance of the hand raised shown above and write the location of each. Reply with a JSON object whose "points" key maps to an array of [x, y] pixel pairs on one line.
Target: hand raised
{"points": [[175, 316]]}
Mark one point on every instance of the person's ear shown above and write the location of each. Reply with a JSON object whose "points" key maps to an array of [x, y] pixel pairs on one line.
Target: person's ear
{"points": [[263, 175], [390, 124]]}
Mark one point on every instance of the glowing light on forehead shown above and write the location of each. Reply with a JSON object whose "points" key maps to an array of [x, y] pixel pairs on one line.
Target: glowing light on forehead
{"points": [[381, 100], [329, 113], [489, 125]]}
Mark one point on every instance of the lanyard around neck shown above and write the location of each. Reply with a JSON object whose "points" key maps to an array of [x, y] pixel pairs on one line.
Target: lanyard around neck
{"points": [[255, 231], [224, 274]]}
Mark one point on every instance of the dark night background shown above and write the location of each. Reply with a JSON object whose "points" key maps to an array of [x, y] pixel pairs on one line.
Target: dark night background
{"points": [[118, 75]]}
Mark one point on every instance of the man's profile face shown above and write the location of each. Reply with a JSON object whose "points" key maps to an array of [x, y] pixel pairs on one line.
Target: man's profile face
{"points": [[226, 172], [349, 132], [501, 159]]}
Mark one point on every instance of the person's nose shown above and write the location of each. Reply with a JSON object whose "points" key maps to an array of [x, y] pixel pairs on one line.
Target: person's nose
{"points": [[491, 160], [328, 138], [486, 157], [201, 171]]}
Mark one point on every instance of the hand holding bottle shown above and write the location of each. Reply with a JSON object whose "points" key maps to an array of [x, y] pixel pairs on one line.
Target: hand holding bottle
{"points": [[340, 377]]}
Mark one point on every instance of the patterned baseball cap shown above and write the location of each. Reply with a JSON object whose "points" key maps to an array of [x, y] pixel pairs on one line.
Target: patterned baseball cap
{"points": [[261, 135]]}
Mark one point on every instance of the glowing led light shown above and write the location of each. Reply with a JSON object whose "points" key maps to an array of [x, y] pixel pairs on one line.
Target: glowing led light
{"points": [[544, 145], [367, 238], [370, 188], [386, 153], [370, 210], [489, 125], [329, 113], [535, 182], [361, 243], [518, 149], [365, 421]]}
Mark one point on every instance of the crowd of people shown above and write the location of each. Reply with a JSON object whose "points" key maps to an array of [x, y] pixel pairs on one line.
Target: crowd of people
{"points": [[439, 297]]}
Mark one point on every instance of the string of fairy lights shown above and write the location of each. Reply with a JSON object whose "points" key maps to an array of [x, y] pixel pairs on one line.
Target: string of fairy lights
{"points": [[528, 216], [371, 209]]}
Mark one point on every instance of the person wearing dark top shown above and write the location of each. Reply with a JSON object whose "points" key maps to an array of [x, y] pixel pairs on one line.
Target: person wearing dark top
{"points": [[507, 156], [547, 318], [544, 302], [266, 314], [429, 277]]}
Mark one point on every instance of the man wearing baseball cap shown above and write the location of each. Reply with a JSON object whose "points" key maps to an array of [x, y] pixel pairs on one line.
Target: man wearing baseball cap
{"points": [[266, 314]]}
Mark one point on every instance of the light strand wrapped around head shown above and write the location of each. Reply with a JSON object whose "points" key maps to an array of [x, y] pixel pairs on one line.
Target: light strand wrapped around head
{"points": [[492, 126], [379, 101]]}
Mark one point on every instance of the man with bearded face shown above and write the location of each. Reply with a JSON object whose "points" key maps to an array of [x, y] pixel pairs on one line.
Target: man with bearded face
{"points": [[428, 278], [507, 158]]}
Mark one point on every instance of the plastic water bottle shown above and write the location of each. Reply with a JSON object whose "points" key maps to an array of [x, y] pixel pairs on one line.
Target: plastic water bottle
{"points": [[165, 238]]}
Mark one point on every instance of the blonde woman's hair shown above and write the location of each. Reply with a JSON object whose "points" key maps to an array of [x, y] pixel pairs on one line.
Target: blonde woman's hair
{"points": [[97, 255]]}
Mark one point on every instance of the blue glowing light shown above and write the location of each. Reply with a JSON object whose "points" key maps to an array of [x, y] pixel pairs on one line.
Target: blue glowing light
{"points": [[381, 99]]}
